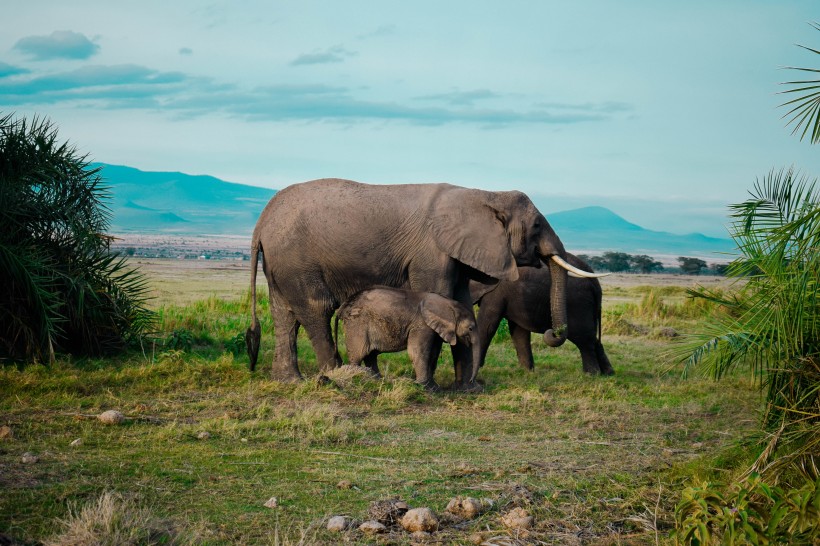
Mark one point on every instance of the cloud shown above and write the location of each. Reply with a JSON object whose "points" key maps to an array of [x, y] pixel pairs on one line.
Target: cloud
{"points": [[186, 51], [61, 44], [7, 70], [91, 84], [384, 30], [335, 54], [462, 98], [134, 86]]}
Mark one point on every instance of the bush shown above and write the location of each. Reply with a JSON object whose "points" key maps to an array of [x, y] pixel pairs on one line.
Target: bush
{"points": [[752, 512], [62, 288]]}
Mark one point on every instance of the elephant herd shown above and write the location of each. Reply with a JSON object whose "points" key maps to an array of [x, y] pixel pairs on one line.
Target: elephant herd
{"points": [[404, 265]]}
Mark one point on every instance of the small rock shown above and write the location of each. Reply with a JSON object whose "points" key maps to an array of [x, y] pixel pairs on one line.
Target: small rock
{"points": [[476, 538], [387, 511], [344, 484], [29, 458], [243, 440], [77, 442], [466, 507], [419, 519], [203, 435], [337, 524], [372, 527], [517, 518], [6, 433], [111, 417], [272, 502]]}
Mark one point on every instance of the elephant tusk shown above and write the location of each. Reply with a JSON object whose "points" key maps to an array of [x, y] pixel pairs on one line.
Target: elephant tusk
{"points": [[574, 271]]}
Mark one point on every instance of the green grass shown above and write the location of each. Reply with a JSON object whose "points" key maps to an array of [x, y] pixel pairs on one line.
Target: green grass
{"points": [[598, 460]]}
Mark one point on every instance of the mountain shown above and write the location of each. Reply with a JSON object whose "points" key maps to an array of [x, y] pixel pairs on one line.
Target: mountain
{"points": [[172, 203], [593, 229], [177, 203]]}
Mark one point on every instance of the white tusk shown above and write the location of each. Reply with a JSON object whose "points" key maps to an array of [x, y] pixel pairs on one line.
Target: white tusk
{"points": [[574, 271]]}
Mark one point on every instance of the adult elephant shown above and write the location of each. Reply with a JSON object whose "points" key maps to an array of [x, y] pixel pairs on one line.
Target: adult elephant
{"points": [[525, 303], [323, 241]]}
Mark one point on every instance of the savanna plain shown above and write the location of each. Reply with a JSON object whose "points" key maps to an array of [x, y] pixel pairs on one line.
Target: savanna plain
{"points": [[206, 444]]}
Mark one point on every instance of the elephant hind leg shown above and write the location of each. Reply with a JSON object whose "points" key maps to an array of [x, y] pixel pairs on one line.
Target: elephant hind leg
{"points": [[523, 345], [286, 328], [603, 360]]}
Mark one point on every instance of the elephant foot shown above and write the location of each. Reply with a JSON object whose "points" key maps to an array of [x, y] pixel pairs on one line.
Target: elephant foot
{"points": [[286, 375], [430, 385], [607, 371], [473, 387]]}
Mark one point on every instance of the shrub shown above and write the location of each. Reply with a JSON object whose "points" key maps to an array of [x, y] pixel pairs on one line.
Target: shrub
{"points": [[750, 513], [62, 288]]}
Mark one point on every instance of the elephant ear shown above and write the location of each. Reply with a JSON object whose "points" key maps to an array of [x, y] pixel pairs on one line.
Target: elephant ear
{"points": [[437, 312], [469, 226]]}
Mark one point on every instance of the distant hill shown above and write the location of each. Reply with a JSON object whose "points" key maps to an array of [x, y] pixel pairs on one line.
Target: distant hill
{"points": [[172, 203], [177, 203], [600, 229]]}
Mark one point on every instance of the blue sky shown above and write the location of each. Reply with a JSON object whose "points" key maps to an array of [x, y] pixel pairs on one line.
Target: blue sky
{"points": [[663, 112]]}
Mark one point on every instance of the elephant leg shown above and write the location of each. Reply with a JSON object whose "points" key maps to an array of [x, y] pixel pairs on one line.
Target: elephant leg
{"points": [[523, 345], [487, 325], [371, 361], [603, 360], [589, 358], [317, 325], [286, 328], [422, 346], [462, 364]]}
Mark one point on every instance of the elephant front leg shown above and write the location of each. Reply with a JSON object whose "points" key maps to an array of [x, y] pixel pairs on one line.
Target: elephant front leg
{"points": [[523, 345], [423, 348]]}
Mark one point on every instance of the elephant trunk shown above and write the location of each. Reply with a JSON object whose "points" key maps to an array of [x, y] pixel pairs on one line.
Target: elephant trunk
{"points": [[476, 346], [557, 335]]}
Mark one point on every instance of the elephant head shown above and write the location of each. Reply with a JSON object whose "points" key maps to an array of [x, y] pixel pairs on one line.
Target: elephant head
{"points": [[495, 232], [454, 323]]}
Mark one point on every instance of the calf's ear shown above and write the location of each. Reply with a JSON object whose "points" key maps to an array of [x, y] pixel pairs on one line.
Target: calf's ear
{"points": [[438, 315]]}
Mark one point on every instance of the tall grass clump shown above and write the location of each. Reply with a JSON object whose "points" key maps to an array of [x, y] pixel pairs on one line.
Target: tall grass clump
{"points": [[63, 290], [772, 322]]}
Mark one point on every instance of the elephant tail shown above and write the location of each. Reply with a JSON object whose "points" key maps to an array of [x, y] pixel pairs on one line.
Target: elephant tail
{"points": [[254, 334]]}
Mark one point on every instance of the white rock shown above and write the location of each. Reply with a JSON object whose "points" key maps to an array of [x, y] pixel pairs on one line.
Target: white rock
{"points": [[111, 417], [29, 458], [372, 527], [465, 507], [272, 502], [77, 442], [203, 435], [338, 524], [419, 519], [517, 518]]}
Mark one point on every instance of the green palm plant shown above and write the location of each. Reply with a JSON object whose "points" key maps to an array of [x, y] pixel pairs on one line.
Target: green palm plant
{"points": [[63, 289], [772, 321], [804, 110]]}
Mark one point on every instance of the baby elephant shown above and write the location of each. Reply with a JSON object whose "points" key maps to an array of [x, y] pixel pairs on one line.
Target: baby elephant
{"points": [[387, 320]]}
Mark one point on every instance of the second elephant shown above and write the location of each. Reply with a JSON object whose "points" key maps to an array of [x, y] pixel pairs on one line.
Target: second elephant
{"points": [[385, 320], [526, 306]]}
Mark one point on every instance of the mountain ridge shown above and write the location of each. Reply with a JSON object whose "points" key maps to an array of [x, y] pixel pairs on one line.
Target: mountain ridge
{"points": [[174, 203]]}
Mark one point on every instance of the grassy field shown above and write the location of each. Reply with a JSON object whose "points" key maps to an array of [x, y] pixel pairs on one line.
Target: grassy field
{"points": [[205, 444]]}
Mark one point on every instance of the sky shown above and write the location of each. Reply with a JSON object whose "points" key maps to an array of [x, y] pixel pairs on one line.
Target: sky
{"points": [[664, 112]]}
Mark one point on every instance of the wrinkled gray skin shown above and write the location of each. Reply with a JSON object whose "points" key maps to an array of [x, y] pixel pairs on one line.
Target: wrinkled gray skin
{"points": [[387, 320], [325, 240], [526, 306]]}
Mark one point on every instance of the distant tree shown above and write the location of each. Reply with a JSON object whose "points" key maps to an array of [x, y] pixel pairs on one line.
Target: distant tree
{"points": [[691, 266], [616, 261], [719, 269], [645, 264], [62, 290]]}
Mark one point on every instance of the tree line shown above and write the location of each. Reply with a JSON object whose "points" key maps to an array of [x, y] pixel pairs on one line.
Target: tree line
{"points": [[621, 262]]}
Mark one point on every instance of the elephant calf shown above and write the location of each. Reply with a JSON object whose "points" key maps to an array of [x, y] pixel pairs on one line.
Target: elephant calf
{"points": [[386, 320], [526, 306]]}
